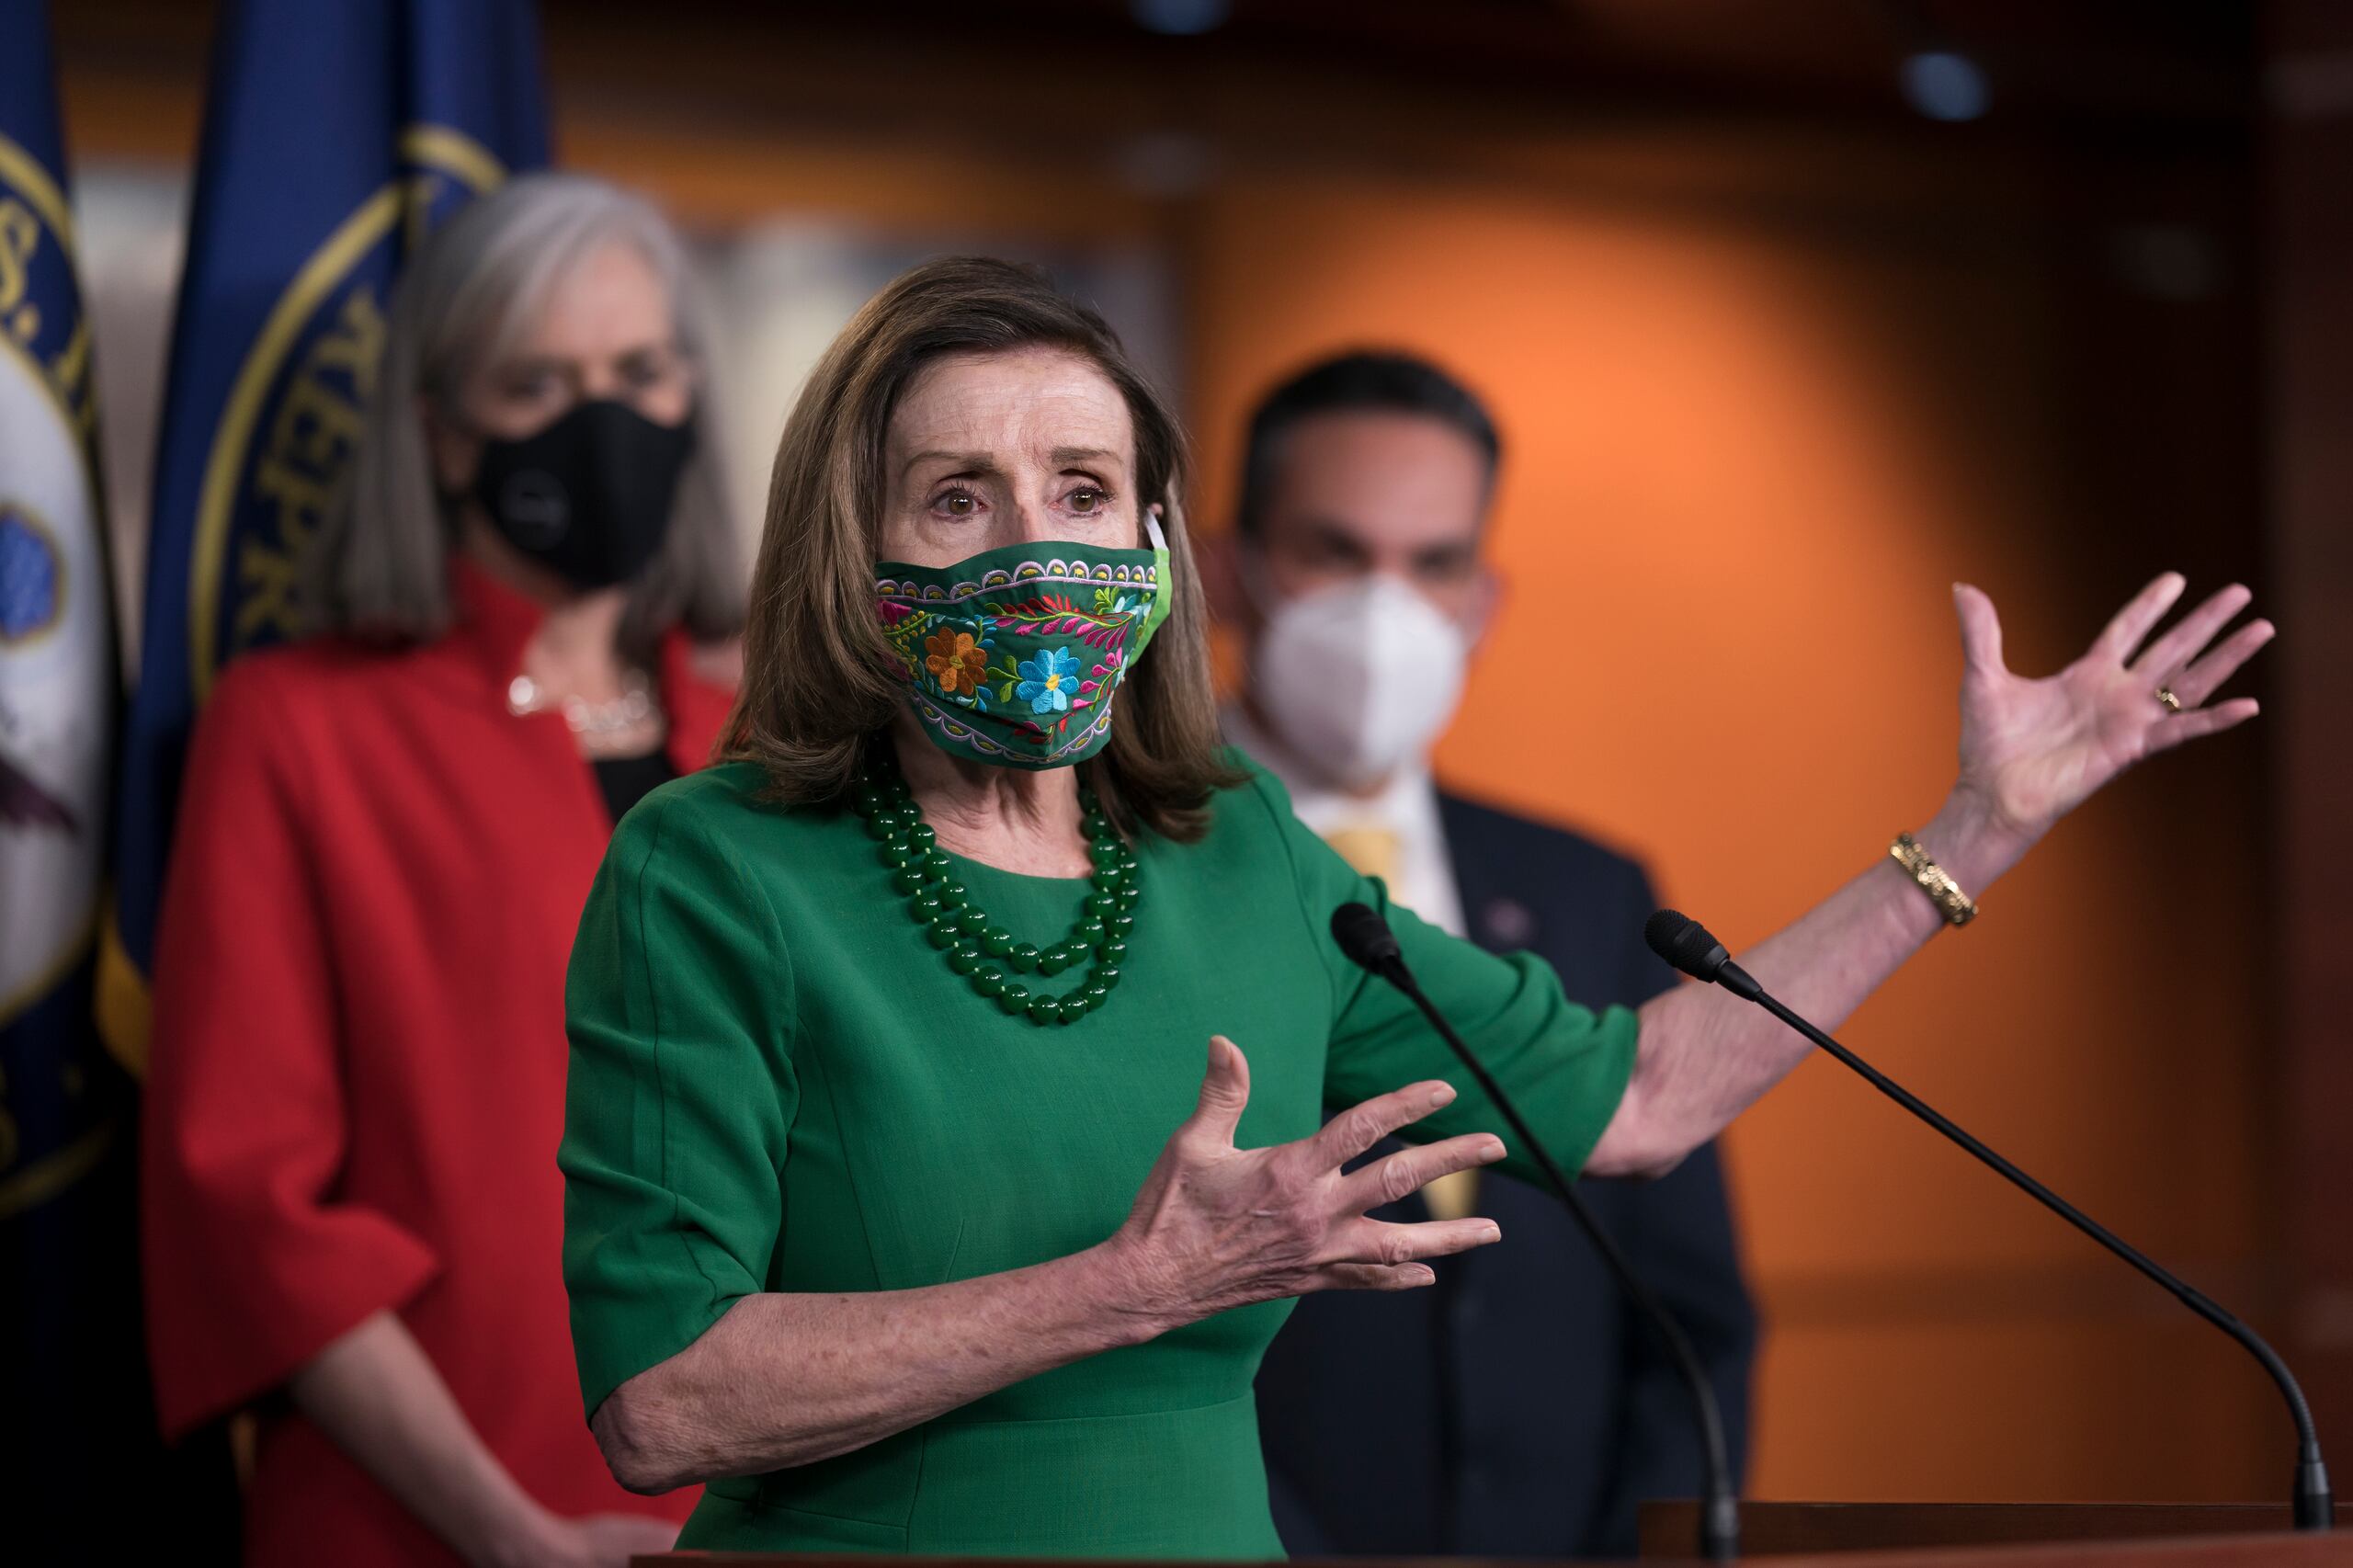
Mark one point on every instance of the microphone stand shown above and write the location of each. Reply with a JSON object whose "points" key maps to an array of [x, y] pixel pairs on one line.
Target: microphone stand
{"points": [[1719, 1509], [1688, 945], [2314, 1508]]}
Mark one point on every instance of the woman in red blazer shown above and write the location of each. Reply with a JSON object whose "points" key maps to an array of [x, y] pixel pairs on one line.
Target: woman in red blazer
{"points": [[527, 604]]}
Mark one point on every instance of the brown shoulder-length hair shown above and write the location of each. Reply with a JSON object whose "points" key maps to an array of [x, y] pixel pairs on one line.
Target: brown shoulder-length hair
{"points": [[819, 684]]}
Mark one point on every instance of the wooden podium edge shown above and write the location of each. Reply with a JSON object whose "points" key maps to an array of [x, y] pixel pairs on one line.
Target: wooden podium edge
{"points": [[2279, 1549], [1668, 1528]]}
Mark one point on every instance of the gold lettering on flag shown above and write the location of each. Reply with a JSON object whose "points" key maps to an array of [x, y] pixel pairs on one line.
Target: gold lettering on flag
{"points": [[315, 429]]}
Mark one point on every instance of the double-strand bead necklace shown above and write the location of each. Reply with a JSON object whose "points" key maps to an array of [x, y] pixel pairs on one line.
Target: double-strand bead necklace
{"points": [[978, 948]]}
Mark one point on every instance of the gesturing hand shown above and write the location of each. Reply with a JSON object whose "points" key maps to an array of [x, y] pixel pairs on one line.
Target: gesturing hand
{"points": [[1216, 1226], [2036, 749]]}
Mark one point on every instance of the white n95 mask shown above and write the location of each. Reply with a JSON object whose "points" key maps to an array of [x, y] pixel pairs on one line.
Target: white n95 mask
{"points": [[1358, 679]]}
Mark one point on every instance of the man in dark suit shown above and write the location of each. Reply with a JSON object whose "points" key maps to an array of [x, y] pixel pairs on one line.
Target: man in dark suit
{"points": [[1521, 1409]]}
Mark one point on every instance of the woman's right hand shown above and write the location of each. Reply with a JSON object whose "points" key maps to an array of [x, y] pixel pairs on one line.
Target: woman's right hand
{"points": [[1217, 1227], [592, 1541]]}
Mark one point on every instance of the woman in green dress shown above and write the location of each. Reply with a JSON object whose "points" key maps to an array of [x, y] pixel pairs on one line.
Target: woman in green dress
{"points": [[904, 1208]]}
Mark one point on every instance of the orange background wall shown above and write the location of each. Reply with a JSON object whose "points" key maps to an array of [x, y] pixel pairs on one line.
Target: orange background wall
{"points": [[1741, 470]]}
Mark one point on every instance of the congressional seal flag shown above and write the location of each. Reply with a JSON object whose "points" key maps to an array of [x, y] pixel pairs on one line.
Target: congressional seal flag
{"points": [[335, 138], [57, 668], [73, 1377]]}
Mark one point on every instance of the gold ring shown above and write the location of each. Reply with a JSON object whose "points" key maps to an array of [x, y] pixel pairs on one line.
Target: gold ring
{"points": [[2165, 696]]}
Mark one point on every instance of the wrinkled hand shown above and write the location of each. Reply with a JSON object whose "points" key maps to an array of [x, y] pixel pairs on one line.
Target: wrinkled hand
{"points": [[594, 1541], [2034, 750], [1216, 1227]]}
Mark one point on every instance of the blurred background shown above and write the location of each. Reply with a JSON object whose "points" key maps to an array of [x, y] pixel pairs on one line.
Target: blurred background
{"points": [[1792, 313]]}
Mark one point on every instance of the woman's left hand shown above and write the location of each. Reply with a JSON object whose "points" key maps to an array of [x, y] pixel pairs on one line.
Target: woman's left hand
{"points": [[2034, 750]]}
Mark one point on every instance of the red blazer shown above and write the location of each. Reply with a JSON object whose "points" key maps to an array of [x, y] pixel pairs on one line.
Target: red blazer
{"points": [[356, 1083]]}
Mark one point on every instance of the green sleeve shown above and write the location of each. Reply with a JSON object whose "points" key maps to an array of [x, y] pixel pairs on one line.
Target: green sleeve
{"points": [[1564, 1065], [680, 1097]]}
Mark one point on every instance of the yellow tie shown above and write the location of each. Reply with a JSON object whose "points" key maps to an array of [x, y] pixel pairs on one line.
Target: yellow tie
{"points": [[1370, 850], [1374, 852]]}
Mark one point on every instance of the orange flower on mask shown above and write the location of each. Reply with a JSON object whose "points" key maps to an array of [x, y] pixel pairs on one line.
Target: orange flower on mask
{"points": [[957, 661]]}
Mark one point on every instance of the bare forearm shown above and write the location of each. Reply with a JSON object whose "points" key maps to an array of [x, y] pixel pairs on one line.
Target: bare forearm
{"points": [[790, 1378], [1705, 1055], [377, 1395]]}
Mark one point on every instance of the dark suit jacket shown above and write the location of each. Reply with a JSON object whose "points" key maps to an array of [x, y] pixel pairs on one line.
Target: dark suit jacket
{"points": [[1516, 1407]]}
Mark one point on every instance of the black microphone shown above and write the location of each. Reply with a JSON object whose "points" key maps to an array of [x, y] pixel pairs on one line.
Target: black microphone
{"points": [[1369, 943], [1684, 943]]}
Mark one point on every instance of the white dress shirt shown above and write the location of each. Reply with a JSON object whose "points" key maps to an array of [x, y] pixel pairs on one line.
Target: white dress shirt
{"points": [[1406, 806]]}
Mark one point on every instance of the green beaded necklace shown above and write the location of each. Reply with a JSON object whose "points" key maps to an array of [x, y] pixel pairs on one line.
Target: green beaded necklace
{"points": [[977, 948]]}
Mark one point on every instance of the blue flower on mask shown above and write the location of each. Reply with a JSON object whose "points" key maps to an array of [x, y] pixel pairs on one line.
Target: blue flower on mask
{"points": [[1047, 680]]}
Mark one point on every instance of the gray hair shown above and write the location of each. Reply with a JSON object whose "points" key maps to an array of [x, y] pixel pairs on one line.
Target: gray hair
{"points": [[379, 565]]}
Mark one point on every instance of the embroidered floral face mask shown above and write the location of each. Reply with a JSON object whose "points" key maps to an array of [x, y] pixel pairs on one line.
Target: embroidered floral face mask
{"points": [[1011, 657]]}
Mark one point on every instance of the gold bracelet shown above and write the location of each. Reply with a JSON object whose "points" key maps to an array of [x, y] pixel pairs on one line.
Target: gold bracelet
{"points": [[1943, 890]]}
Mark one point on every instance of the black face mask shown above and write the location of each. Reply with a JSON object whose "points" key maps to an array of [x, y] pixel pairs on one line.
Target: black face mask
{"points": [[590, 496]]}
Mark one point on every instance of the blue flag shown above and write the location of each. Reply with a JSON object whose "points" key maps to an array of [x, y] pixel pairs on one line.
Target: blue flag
{"points": [[335, 136], [71, 1346]]}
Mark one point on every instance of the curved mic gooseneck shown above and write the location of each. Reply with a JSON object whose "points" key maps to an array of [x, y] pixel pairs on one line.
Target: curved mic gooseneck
{"points": [[1684, 943], [1369, 943]]}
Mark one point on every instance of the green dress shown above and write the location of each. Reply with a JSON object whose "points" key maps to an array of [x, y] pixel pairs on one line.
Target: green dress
{"points": [[776, 1083]]}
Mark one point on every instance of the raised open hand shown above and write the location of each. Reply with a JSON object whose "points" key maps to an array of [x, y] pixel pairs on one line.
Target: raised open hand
{"points": [[1216, 1226], [2034, 750]]}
